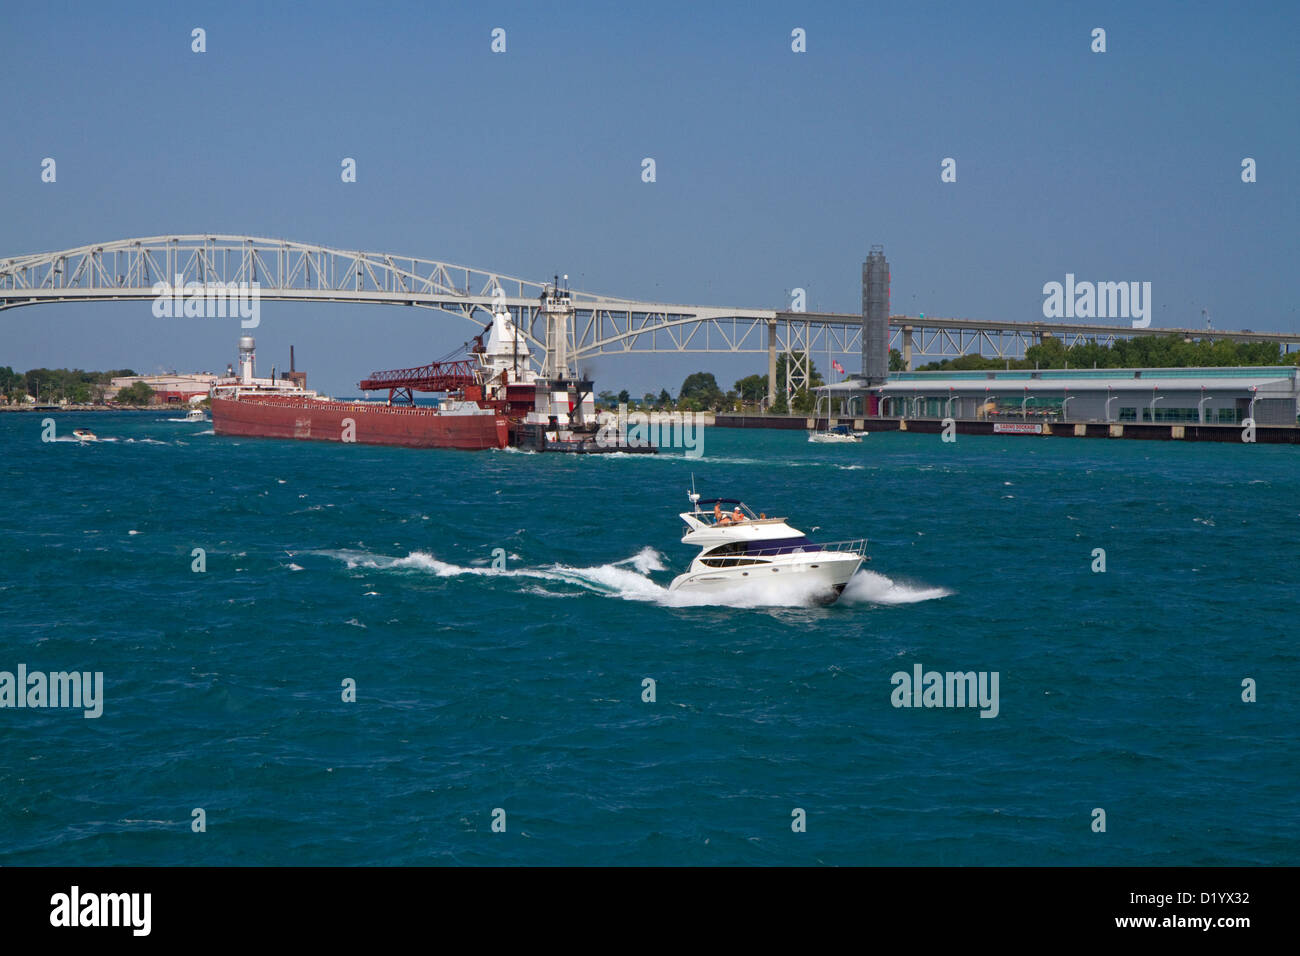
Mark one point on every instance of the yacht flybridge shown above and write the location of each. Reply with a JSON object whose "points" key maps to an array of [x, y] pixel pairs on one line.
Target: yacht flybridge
{"points": [[739, 548]]}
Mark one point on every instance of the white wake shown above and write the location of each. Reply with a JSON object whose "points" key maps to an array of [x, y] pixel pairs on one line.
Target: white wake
{"points": [[868, 587], [629, 579]]}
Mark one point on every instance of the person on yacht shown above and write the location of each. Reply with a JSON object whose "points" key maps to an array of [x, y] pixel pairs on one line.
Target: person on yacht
{"points": [[717, 513], [736, 516]]}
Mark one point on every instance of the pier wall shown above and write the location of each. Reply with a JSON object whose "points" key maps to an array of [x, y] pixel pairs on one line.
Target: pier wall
{"points": [[1264, 434]]}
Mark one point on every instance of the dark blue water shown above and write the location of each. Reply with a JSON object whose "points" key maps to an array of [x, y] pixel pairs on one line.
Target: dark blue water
{"points": [[522, 689]]}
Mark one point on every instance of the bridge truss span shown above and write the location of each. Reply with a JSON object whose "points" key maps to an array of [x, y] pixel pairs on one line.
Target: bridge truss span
{"points": [[285, 270]]}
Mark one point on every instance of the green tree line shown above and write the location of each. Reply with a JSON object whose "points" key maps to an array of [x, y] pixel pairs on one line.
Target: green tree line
{"points": [[1165, 351], [701, 392], [56, 384]]}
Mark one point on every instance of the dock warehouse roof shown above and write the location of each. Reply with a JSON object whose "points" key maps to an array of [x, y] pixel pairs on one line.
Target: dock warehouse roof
{"points": [[1281, 380]]}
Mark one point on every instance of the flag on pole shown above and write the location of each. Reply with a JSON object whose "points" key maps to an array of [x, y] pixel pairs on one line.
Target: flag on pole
{"points": [[835, 364]]}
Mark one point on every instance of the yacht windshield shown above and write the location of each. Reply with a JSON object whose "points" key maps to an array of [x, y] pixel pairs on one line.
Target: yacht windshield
{"points": [[723, 511]]}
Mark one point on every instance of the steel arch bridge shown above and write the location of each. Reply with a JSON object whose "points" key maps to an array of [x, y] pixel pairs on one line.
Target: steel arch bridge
{"points": [[284, 270], [131, 269]]}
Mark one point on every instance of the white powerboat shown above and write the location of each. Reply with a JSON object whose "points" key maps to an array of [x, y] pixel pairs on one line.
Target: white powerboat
{"points": [[195, 415], [739, 548], [84, 434]]}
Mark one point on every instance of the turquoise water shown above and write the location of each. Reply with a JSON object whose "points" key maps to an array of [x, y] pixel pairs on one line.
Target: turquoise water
{"points": [[522, 689]]}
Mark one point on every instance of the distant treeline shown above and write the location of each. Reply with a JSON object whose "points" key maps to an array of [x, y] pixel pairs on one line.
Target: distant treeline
{"points": [[1168, 351], [701, 392], [56, 384]]}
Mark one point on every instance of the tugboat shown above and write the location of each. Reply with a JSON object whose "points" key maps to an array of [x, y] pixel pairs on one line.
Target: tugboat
{"points": [[551, 410], [738, 547]]}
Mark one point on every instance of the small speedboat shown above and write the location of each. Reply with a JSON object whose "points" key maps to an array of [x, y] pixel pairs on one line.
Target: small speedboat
{"points": [[840, 433], [84, 434], [739, 548], [195, 415]]}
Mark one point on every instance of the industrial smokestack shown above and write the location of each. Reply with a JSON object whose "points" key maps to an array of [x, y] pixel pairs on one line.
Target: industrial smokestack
{"points": [[875, 317], [292, 367]]}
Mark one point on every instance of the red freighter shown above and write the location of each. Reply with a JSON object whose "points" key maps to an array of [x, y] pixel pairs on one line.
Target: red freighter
{"points": [[285, 408], [494, 398]]}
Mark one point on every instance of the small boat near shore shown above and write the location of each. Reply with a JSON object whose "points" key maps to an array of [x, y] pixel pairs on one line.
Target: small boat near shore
{"points": [[833, 434], [84, 434], [839, 433], [739, 548]]}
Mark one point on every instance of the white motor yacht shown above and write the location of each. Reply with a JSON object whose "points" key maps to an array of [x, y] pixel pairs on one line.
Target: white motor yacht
{"points": [[739, 548]]}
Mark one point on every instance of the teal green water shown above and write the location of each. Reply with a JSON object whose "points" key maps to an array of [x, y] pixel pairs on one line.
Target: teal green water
{"points": [[522, 689]]}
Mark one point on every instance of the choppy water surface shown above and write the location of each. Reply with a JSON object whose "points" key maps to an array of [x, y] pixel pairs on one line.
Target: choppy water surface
{"points": [[521, 688]]}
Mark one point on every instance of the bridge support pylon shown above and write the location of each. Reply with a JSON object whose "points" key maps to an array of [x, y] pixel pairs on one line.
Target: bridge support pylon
{"points": [[771, 363]]}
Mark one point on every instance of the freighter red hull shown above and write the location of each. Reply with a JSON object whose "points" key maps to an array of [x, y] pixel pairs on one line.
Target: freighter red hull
{"points": [[372, 423]]}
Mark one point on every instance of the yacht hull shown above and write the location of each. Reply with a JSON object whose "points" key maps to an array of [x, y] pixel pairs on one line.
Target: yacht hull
{"points": [[824, 574], [834, 439]]}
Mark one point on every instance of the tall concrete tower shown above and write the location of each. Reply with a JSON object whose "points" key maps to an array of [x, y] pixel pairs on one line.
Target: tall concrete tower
{"points": [[875, 317], [247, 348]]}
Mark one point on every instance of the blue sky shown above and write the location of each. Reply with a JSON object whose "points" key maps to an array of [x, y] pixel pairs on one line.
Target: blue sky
{"points": [[775, 170]]}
